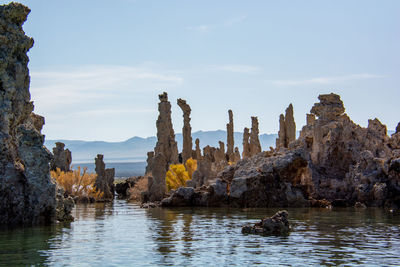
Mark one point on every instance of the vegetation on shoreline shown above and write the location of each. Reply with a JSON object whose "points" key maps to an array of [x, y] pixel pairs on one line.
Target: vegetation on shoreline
{"points": [[77, 185]]}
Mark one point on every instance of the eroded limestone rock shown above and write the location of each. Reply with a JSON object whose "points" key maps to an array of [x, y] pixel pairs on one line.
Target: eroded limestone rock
{"points": [[27, 194], [230, 139], [198, 151], [166, 150], [246, 143], [334, 162], [105, 178], [287, 128], [255, 146], [61, 158], [277, 225], [186, 131]]}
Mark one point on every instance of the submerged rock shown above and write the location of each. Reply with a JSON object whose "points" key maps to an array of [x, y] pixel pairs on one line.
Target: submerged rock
{"points": [[276, 225]]}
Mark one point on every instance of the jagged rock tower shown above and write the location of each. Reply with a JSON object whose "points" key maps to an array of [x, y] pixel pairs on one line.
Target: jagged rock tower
{"points": [[186, 131], [255, 146], [230, 141], [105, 178], [246, 143], [61, 158], [287, 128], [165, 152], [27, 195]]}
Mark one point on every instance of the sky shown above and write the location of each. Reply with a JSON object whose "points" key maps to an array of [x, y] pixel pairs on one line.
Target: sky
{"points": [[97, 66]]}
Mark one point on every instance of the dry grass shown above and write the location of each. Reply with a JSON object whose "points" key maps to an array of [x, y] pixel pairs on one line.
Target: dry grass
{"points": [[76, 184], [136, 191]]}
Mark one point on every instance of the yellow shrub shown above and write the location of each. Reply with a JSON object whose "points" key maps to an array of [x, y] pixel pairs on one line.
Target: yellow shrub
{"points": [[76, 184], [177, 175], [191, 166]]}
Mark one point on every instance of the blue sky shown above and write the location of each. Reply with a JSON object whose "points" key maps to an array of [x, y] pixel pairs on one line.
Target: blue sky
{"points": [[98, 66]]}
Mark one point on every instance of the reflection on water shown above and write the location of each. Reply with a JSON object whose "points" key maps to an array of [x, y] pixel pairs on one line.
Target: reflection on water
{"points": [[123, 234]]}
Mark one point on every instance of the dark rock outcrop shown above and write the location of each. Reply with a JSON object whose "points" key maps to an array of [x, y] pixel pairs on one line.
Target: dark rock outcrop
{"points": [[122, 188], [277, 225], [27, 194], [105, 178], [61, 158]]}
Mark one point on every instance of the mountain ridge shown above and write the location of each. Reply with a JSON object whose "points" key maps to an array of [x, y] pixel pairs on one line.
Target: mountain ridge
{"points": [[135, 149]]}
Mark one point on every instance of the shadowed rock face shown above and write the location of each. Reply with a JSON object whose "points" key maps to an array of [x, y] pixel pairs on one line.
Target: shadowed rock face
{"points": [[61, 158], [27, 195]]}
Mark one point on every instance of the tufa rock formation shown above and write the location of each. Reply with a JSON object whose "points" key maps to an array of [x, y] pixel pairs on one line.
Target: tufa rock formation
{"points": [[255, 146], [27, 194], [246, 143], [186, 131], [198, 151], [287, 128], [334, 162], [105, 178], [165, 152], [276, 225], [61, 158], [230, 141]]}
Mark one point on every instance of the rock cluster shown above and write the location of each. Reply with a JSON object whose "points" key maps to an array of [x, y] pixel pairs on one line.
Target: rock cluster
{"points": [[122, 188], [61, 158], [105, 178], [276, 225], [27, 194], [287, 129], [334, 162]]}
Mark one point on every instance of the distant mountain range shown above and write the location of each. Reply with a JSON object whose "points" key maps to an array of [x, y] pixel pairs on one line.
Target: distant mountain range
{"points": [[135, 149]]}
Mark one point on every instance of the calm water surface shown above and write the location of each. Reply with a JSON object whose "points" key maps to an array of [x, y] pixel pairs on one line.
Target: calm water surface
{"points": [[122, 234]]}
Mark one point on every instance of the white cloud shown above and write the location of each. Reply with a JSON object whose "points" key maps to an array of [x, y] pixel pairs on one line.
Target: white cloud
{"points": [[236, 68], [84, 89], [326, 80]]}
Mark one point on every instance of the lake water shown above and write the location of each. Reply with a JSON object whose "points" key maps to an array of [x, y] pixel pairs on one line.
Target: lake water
{"points": [[122, 234]]}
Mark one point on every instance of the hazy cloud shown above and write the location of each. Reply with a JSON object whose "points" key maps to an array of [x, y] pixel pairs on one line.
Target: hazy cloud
{"points": [[326, 80], [237, 68], [208, 27]]}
